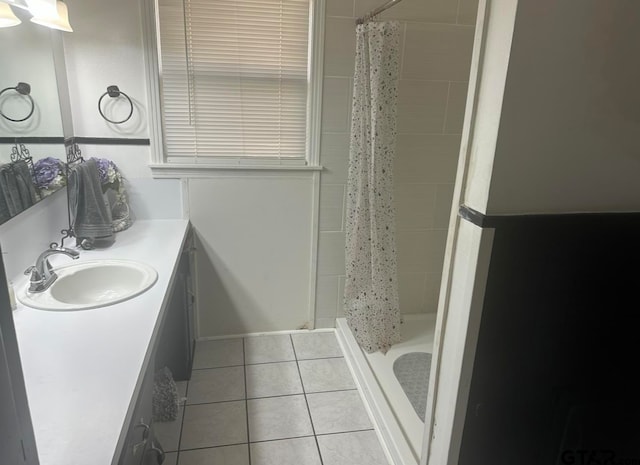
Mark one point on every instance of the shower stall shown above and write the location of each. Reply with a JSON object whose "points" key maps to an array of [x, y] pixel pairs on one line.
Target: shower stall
{"points": [[434, 57], [526, 289]]}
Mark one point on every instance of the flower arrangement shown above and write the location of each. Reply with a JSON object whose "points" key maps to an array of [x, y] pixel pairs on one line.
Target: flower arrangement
{"points": [[49, 174], [111, 178]]}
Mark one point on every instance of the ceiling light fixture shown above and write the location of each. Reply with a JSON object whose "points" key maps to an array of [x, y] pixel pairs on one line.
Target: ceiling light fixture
{"points": [[45, 8], [7, 17], [17, 3], [59, 21]]}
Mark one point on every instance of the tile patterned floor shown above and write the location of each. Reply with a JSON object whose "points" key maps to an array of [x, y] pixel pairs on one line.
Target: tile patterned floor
{"points": [[271, 400]]}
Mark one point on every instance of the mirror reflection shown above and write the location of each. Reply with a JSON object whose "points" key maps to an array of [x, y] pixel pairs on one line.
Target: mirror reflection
{"points": [[31, 130]]}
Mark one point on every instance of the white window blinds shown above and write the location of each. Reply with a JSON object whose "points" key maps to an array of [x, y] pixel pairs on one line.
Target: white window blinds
{"points": [[234, 78]]}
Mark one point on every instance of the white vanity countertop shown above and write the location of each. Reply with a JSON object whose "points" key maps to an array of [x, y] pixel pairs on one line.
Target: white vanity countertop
{"points": [[82, 368]]}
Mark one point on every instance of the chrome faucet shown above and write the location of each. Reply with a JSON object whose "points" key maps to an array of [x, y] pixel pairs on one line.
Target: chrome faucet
{"points": [[42, 274]]}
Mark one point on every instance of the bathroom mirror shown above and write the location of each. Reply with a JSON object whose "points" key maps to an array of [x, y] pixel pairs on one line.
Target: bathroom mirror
{"points": [[30, 79]]}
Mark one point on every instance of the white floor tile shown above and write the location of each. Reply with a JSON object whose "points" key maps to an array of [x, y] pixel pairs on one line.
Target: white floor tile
{"points": [[210, 425], [357, 448], [299, 451], [277, 421], [227, 455], [278, 418], [265, 349], [328, 374], [273, 379], [182, 389], [321, 344], [218, 353], [338, 412], [216, 385], [170, 458]]}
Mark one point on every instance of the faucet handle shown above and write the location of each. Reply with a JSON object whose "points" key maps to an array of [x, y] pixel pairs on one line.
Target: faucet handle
{"points": [[36, 277]]}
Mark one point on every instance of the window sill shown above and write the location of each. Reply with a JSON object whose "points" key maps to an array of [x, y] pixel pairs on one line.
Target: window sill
{"points": [[175, 170]]}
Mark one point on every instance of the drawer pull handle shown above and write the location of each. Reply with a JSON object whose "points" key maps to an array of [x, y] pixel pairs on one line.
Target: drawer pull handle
{"points": [[159, 453], [146, 427], [145, 436]]}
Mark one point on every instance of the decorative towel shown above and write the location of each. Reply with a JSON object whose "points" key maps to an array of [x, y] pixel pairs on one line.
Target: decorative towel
{"points": [[9, 189], [5, 215], [24, 180], [90, 210], [165, 396]]}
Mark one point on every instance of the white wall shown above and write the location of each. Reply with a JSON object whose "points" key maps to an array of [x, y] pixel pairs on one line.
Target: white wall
{"points": [[106, 48], [254, 257], [568, 138], [436, 41]]}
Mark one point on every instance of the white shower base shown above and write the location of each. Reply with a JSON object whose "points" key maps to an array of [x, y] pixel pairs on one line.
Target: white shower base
{"points": [[401, 428]]}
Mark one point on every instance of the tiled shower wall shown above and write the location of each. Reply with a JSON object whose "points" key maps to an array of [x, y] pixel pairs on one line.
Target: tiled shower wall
{"points": [[436, 44]]}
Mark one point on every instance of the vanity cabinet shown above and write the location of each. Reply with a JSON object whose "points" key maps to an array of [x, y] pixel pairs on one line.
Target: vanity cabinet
{"points": [[177, 341], [173, 349]]}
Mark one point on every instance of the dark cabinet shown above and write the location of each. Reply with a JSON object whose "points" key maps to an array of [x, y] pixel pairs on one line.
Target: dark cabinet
{"points": [[553, 376], [173, 349], [176, 343], [140, 432]]}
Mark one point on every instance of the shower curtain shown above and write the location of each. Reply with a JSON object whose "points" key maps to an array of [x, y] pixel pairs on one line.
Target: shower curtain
{"points": [[371, 289]]}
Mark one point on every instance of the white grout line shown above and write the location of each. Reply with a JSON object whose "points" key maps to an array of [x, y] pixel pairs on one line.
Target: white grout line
{"points": [[306, 401], [402, 55], [446, 109], [246, 400]]}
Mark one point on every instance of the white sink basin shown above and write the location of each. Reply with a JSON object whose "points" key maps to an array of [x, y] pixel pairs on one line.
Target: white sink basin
{"points": [[92, 284]]}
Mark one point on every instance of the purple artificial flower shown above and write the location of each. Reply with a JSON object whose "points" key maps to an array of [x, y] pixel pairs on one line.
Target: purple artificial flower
{"points": [[107, 172], [103, 168], [46, 170]]}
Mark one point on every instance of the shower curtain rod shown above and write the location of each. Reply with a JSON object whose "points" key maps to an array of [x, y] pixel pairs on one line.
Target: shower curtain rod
{"points": [[377, 11]]}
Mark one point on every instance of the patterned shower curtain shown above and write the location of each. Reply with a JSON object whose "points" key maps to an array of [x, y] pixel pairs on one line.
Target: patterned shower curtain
{"points": [[371, 290]]}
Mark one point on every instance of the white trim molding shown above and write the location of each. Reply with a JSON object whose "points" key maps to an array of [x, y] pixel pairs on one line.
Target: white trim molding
{"points": [[161, 168], [174, 170], [468, 249]]}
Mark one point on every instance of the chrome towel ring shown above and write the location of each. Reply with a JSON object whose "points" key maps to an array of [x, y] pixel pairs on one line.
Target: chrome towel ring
{"points": [[114, 92], [23, 89]]}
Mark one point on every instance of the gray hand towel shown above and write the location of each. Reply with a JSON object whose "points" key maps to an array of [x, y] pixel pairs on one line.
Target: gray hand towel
{"points": [[90, 212], [24, 180], [10, 192], [5, 215]]}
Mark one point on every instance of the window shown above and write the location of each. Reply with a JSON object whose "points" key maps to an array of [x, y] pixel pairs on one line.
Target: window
{"points": [[237, 83]]}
